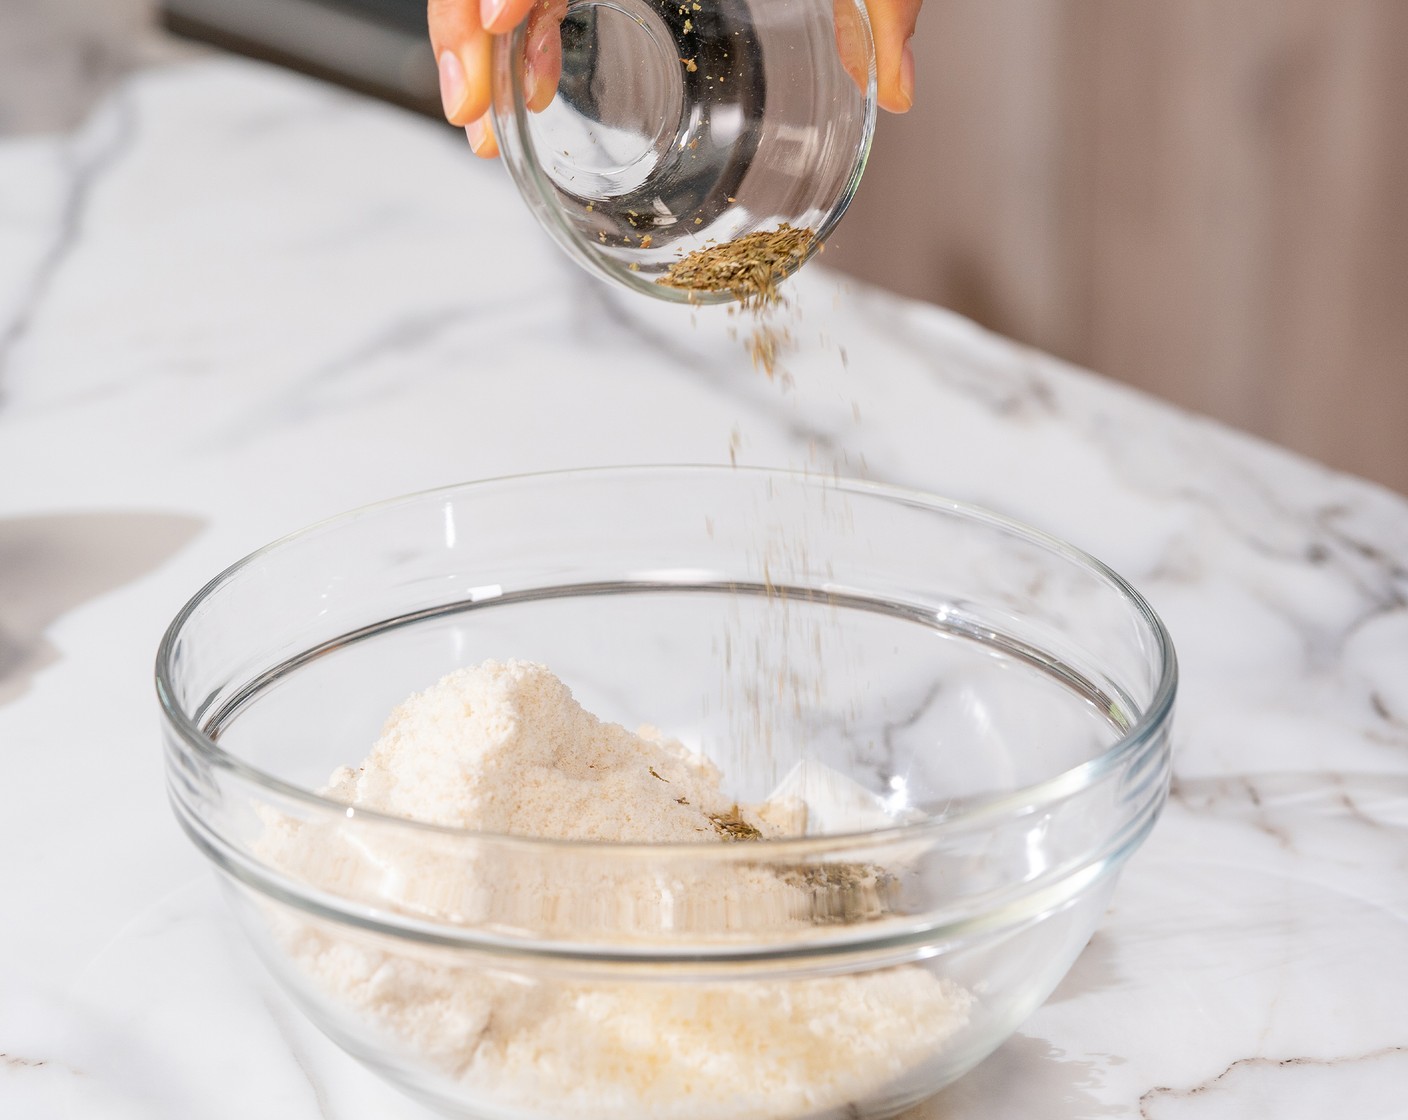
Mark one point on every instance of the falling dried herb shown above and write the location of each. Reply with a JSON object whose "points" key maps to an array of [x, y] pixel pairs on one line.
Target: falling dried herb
{"points": [[748, 268], [764, 344], [732, 826]]}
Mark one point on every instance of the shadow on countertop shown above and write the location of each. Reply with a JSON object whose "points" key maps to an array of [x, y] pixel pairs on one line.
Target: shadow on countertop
{"points": [[52, 564]]}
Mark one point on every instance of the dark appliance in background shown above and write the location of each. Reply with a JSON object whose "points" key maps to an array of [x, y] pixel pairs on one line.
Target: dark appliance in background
{"points": [[378, 47]]}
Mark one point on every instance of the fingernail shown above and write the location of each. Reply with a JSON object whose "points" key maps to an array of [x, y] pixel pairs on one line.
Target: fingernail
{"points": [[489, 11], [479, 132], [536, 94], [453, 88], [907, 75]]}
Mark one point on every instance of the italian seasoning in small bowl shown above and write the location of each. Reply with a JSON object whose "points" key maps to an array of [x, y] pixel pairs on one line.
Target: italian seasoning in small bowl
{"points": [[748, 268], [696, 152]]}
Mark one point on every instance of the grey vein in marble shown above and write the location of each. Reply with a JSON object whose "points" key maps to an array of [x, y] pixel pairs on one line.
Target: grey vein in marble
{"points": [[93, 152], [1276, 1086]]}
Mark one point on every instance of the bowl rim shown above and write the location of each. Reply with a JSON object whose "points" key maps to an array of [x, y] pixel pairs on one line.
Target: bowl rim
{"points": [[972, 813]]}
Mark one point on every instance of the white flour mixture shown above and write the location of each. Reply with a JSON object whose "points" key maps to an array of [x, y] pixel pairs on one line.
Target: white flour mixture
{"points": [[504, 748]]}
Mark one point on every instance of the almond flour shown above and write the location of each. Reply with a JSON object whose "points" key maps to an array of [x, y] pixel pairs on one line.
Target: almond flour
{"points": [[504, 748]]}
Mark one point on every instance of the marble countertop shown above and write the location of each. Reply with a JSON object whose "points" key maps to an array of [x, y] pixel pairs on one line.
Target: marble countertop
{"points": [[236, 301]]}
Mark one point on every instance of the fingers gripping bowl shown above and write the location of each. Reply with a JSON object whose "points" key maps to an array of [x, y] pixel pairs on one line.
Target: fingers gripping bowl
{"points": [[973, 717]]}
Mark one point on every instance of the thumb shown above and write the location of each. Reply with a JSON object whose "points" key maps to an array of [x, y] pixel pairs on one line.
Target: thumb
{"points": [[462, 52], [892, 23]]}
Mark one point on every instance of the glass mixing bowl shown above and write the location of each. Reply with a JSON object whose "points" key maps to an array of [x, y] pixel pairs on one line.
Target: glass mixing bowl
{"points": [[983, 712], [679, 125]]}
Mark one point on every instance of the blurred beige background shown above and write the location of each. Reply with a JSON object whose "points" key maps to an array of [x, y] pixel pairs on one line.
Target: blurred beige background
{"points": [[1207, 199]]}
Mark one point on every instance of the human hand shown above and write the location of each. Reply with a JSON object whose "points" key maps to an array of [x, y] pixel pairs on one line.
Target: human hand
{"points": [[892, 26], [462, 33]]}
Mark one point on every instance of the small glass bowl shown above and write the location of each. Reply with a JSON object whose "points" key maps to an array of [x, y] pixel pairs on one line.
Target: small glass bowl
{"points": [[681, 124], [994, 704]]}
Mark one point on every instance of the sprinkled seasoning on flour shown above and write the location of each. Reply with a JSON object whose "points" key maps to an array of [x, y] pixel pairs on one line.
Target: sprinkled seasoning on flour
{"points": [[503, 747]]}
